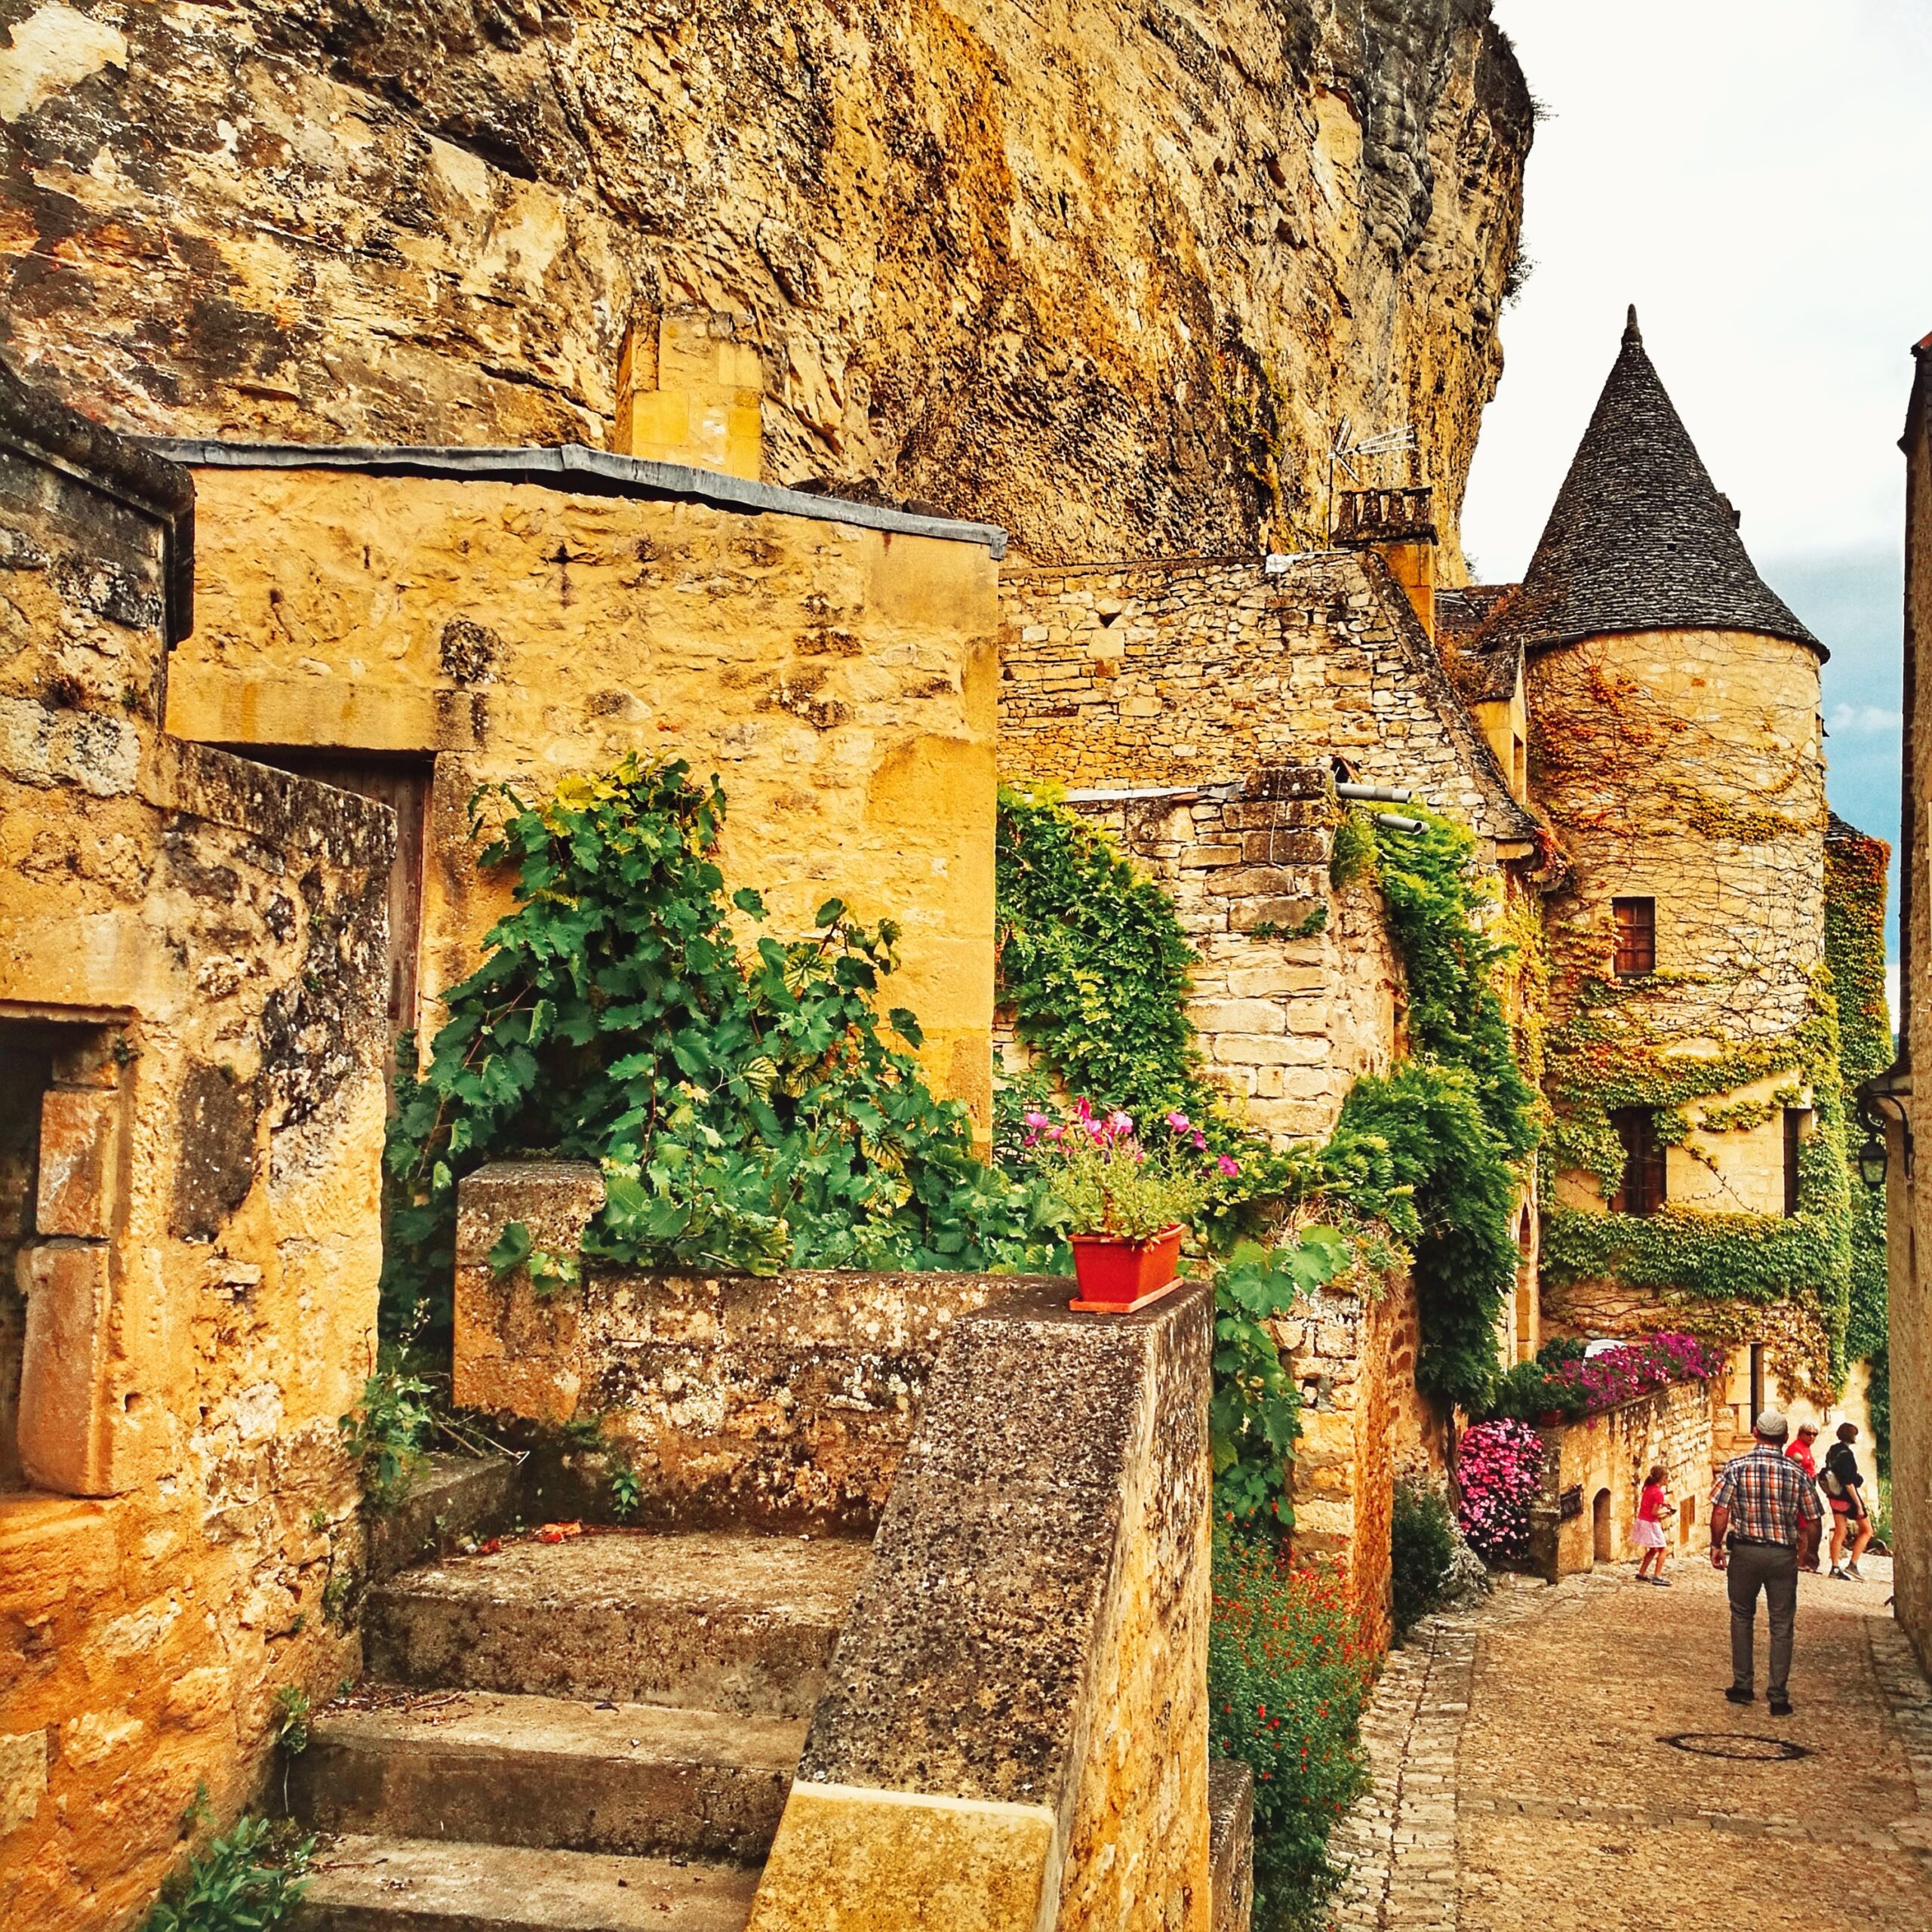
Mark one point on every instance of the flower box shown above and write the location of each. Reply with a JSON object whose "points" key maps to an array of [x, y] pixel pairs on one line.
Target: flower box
{"points": [[1118, 1273]]}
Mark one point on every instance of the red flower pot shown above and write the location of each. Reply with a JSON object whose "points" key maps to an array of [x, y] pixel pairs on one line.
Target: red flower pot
{"points": [[1117, 1273]]}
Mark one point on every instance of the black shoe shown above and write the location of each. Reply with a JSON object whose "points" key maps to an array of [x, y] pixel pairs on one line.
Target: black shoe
{"points": [[1780, 1707], [1738, 1697]]}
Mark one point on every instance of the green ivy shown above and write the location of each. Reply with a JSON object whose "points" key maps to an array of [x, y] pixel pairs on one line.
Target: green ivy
{"points": [[1855, 868], [749, 1108], [1093, 961], [1600, 1061], [1253, 1416], [251, 1881], [1434, 1147]]}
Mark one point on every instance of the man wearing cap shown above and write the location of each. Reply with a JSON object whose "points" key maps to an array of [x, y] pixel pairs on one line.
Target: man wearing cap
{"points": [[1764, 1521]]}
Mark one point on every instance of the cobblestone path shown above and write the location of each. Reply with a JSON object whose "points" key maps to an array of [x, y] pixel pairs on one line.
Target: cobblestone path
{"points": [[1522, 1783]]}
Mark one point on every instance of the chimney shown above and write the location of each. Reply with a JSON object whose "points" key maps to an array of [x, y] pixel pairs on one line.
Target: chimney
{"points": [[1399, 526], [689, 389]]}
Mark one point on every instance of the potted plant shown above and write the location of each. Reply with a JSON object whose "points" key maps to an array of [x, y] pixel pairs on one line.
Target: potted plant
{"points": [[1130, 1204]]}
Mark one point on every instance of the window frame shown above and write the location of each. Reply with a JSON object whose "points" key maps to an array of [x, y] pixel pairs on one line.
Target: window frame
{"points": [[1633, 940], [1644, 1162]]}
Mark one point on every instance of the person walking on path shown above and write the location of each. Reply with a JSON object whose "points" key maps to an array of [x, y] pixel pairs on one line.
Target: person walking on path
{"points": [[1648, 1531], [1844, 1491], [1801, 1452], [1765, 1518]]}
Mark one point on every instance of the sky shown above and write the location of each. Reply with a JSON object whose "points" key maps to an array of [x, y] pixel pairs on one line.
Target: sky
{"points": [[1749, 172]]}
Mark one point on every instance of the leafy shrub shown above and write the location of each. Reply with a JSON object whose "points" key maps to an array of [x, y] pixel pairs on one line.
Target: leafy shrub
{"points": [[748, 1109], [1252, 1415], [248, 1882], [1288, 1678], [1499, 1468], [387, 1432], [1422, 1552]]}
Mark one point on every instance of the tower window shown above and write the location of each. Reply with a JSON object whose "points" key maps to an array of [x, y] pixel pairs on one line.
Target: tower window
{"points": [[1641, 1191], [1636, 936]]}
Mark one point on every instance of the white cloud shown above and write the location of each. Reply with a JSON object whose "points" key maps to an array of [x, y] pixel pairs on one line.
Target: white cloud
{"points": [[1750, 174], [1853, 720], [1892, 991]]}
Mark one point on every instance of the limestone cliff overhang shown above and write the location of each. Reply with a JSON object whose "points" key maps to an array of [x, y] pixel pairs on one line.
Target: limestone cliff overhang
{"points": [[43, 430], [580, 470], [1640, 539]]}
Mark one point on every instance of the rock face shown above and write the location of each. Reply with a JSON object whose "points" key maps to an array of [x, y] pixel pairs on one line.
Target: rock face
{"points": [[1110, 274]]}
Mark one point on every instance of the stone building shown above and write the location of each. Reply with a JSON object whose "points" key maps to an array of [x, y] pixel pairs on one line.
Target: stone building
{"points": [[193, 951], [1676, 749], [412, 623], [1893, 1094]]}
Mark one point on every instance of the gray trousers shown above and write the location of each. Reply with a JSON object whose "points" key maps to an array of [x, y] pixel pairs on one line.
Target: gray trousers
{"points": [[1753, 1567]]}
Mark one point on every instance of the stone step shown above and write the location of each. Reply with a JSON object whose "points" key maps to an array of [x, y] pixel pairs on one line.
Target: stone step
{"points": [[1230, 1844], [721, 1622], [372, 1884], [502, 1769]]}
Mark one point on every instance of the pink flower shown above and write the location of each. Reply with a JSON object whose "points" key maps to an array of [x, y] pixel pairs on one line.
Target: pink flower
{"points": [[1179, 1122], [1035, 1119], [1228, 1165]]}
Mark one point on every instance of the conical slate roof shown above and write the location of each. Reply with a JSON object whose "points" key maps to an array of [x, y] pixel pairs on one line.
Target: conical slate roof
{"points": [[1639, 539]]}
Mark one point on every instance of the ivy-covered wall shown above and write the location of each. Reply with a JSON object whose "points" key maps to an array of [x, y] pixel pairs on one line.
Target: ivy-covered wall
{"points": [[1686, 768], [1855, 869]]}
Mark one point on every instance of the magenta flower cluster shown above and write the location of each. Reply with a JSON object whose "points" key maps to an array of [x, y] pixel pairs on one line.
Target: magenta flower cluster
{"points": [[1498, 1467], [1115, 1129], [1637, 1368]]}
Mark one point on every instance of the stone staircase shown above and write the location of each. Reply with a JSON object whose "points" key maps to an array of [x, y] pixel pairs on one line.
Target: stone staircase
{"points": [[592, 1736]]}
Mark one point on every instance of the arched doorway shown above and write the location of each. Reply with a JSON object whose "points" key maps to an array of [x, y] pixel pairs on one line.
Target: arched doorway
{"points": [[1600, 1526]]}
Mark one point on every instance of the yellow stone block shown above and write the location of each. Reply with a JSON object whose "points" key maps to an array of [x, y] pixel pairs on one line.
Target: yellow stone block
{"points": [[847, 1859]]}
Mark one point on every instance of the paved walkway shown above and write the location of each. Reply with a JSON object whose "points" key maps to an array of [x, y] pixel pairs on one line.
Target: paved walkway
{"points": [[1522, 1783]]}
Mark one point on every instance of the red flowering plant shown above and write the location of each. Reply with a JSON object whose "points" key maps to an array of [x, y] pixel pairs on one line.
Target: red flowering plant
{"points": [[1499, 1468], [1564, 1381], [1288, 1678], [1111, 1181]]}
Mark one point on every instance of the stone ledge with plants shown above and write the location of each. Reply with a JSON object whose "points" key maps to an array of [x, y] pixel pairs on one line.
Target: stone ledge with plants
{"points": [[1567, 1382]]}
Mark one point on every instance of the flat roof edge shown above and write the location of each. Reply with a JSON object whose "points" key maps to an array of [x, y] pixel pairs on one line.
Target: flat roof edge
{"points": [[572, 466]]}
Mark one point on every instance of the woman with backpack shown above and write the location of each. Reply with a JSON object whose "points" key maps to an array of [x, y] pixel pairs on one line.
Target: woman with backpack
{"points": [[1844, 1491]]}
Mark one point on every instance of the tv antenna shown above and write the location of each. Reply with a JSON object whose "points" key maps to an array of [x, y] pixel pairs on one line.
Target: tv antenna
{"points": [[1348, 448]]}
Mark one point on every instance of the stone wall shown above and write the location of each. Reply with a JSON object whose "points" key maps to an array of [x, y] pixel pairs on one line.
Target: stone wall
{"points": [[839, 680], [1194, 672], [1593, 1476], [1908, 1117], [192, 955], [1363, 1421], [1287, 1017], [780, 1402], [1688, 767], [1014, 1729], [1110, 277]]}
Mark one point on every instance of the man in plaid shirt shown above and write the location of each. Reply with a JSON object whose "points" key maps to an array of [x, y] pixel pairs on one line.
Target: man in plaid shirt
{"points": [[1764, 1519]]}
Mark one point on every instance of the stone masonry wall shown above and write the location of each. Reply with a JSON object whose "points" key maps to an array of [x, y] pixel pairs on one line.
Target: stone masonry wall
{"points": [[780, 1402], [194, 949], [1287, 1019], [1197, 672], [840, 682], [1602, 1461]]}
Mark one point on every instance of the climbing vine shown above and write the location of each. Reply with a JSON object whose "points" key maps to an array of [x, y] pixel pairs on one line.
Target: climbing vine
{"points": [[1609, 1056], [1423, 1162], [751, 1108], [1855, 867]]}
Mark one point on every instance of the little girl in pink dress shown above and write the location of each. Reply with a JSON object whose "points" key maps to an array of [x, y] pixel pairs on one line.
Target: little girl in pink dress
{"points": [[1648, 1530]]}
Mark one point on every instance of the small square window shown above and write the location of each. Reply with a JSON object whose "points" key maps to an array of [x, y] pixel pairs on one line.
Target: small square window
{"points": [[1642, 1190], [1636, 936]]}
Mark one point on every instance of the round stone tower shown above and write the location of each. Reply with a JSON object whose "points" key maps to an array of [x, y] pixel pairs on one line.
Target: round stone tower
{"points": [[1677, 750]]}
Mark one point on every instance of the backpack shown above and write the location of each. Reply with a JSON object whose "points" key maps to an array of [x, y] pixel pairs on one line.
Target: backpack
{"points": [[1833, 1488]]}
